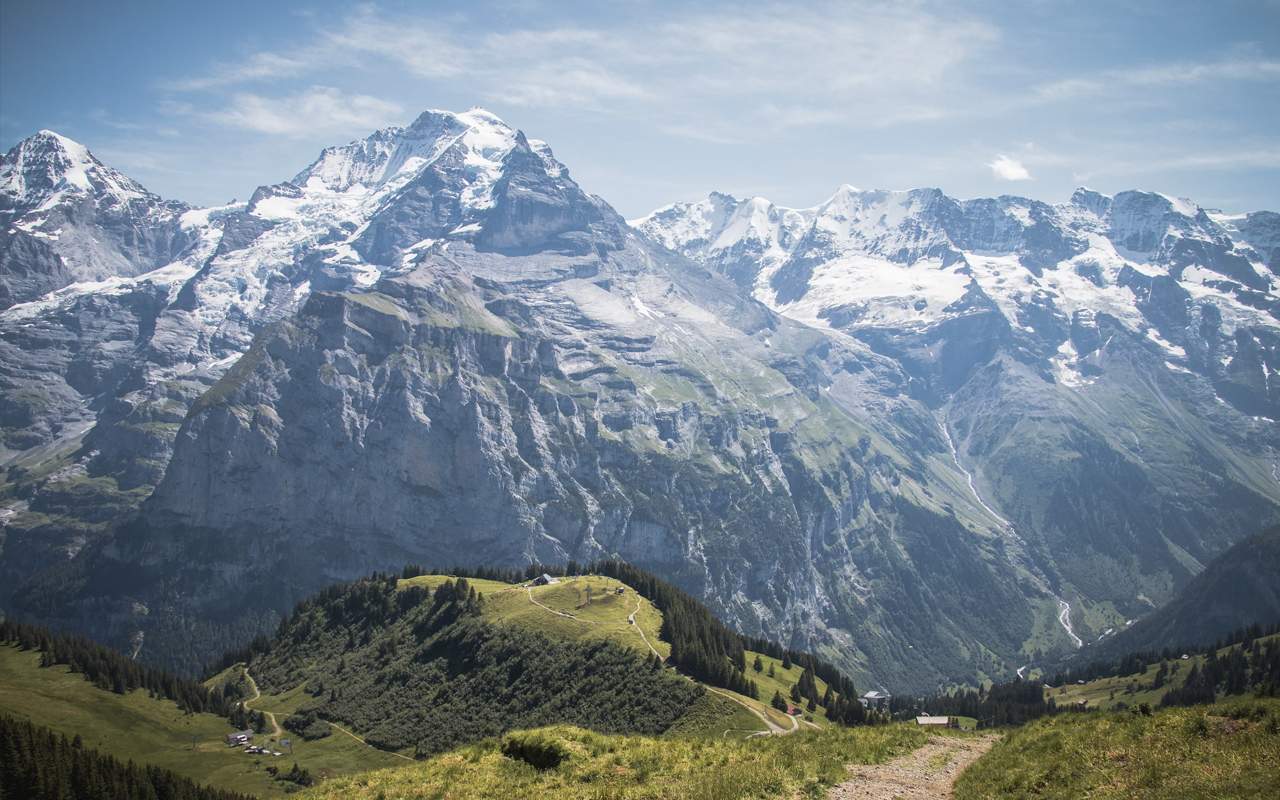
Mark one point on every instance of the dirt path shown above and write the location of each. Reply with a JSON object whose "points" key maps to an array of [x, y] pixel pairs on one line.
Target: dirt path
{"points": [[256, 694], [366, 744], [279, 732], [925, 774]]}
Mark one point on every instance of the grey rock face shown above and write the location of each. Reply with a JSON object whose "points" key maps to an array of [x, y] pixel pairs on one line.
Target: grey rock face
{"points": [[65, 217]]}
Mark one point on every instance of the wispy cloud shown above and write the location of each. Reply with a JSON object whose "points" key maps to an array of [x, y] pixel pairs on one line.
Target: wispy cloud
{"points": [[865, 63], [319, 109], [1255, 68], [258, 67], [1009, 169]]}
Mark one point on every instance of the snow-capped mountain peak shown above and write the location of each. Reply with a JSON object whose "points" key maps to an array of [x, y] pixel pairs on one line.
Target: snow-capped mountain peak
{"points": [[394, 155], [39, 171]]}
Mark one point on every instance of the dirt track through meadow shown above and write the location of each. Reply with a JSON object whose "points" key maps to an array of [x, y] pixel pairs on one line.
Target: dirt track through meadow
{"points": [[925, 774]]}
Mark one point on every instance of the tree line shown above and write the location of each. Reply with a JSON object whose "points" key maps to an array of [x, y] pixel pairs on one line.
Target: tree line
{"points": [[706, 648], [1136, 663], [111, 670], [1250, 665], [1013, 703], [36, 764]]}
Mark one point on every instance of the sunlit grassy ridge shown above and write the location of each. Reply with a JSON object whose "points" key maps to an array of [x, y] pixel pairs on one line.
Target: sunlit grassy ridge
{"points": [[593, 765], [605, 617], [1223, 751]]}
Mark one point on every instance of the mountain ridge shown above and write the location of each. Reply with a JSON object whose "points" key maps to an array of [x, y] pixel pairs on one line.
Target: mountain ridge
{"points": [[825, 463]]}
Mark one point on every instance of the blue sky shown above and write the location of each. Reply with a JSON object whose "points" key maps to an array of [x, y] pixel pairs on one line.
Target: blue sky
{"points": [[654, 102]]}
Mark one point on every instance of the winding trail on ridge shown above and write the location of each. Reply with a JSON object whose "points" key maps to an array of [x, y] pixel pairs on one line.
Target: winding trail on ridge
{"points": [[256, 694]]}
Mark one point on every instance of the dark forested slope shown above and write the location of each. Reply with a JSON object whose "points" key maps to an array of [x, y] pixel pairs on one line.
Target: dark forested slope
{"points": [[1238, 588], [408, 668]]}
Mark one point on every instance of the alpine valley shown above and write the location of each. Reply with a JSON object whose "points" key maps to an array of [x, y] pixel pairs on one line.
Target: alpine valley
{"points": [[930, 440]]}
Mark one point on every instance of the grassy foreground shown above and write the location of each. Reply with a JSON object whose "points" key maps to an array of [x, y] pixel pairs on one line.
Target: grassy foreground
{"points": [[1227, 750], [583, 764]]}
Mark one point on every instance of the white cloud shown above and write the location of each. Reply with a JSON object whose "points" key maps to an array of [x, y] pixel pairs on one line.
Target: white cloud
{"points": [[1009, 169], [1171, 74], [865, 64], [260, 66], [320, 109]]}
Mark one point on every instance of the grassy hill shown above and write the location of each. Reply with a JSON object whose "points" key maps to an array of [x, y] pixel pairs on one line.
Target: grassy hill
{"points": [[561, 611], [570, 763], [1230, 750], [138, 727], [1143, 685]]}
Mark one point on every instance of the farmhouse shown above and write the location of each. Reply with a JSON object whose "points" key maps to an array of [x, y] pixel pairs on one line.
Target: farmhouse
{"points": [[875, 700], [544, 580], [942, 722]]}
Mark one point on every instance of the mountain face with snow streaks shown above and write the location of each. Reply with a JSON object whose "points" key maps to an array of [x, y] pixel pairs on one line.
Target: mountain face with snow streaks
{"points": [[1102, 367], [893, 419], [66, 217]]}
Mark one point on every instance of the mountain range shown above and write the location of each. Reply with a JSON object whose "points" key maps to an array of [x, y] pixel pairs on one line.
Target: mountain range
{"points": [[931, 440]]}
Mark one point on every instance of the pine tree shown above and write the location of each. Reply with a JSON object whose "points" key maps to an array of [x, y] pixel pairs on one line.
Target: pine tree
{"points": [[796, 697], [771, 671], [786, 661], [777, 702], [758, 666]]}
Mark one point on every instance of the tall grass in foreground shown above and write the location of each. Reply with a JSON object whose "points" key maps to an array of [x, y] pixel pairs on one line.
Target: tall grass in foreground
{"points": [[1222, 751], [564, 762]]}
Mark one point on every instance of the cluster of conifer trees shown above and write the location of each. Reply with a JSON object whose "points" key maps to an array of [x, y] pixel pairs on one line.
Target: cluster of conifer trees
{"points": [[111, 670], [1248, 666], [1012, 703], [709, 650], [411, 668], [36, 764], [1136, 663]]}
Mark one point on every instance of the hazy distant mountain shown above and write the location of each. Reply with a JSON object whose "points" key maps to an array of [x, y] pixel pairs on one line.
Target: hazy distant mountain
{"points": [[1236, 589], [432, 346]]}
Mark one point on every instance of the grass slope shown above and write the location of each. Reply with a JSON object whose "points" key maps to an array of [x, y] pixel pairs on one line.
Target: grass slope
{"points": [[605, 618], [1227, 750], [1108, 693], [149, 731], [593, 765]]}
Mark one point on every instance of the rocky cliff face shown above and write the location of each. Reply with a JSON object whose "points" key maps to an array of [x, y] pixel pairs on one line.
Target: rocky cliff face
{"points": [[933, 424], [66, 218], [1101, 367]]}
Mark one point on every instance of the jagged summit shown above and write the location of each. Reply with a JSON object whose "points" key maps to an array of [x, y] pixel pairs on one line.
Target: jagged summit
{"points": [[66, 217], [478, 138], [37, 172]]}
